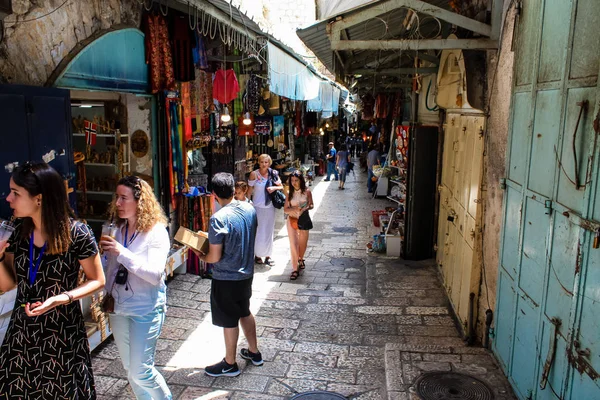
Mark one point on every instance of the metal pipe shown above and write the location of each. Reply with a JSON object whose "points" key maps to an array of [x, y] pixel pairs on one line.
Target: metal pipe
{"points": [[471, 336], [489, 317]]}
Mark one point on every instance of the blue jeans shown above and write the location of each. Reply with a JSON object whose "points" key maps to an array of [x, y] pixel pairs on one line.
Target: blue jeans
{"points": [[136, 339], [369, 180], [331, 169]]}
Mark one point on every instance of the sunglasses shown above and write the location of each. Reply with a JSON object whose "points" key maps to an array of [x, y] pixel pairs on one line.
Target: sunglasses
{"points": [[297, 174]]}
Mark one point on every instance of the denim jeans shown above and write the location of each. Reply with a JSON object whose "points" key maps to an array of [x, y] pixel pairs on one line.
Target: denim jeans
{"points": [[331, 169], [370, 180], [136, 339]]}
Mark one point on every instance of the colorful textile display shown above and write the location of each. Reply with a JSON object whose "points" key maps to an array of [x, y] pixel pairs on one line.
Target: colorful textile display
{"points": [[225, 86], [186, 102], [158, 53]]}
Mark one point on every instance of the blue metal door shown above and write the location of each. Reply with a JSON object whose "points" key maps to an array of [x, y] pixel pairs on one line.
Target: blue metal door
{"points": [[36, 126], [547, 329]]}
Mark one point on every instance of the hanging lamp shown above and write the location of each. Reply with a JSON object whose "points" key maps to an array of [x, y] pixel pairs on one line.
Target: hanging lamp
{"points": [[225, 117], [247, 119]]}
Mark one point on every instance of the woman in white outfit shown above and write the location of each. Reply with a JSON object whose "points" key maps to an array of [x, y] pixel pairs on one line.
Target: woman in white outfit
{"points": [[265, 212]]}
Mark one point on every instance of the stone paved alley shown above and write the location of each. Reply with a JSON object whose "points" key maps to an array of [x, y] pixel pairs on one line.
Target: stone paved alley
{"points": [[359, 324]]}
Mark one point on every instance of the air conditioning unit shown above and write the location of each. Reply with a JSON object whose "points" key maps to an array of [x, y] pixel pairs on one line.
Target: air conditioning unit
{"points": [[5, 8]]}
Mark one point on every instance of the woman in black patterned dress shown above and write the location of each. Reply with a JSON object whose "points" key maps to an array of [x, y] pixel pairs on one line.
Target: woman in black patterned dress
{"points": [[45, 354]]}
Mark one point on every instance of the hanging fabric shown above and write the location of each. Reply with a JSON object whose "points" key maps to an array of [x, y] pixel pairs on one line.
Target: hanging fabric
{"points": [[253, 90], [186, 102], [199, 52], [158, 53], [183, 42], [225, 86]]}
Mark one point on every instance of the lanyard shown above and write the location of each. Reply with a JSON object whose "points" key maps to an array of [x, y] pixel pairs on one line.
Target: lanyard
{"points": [[34, 266], [125, 242]]}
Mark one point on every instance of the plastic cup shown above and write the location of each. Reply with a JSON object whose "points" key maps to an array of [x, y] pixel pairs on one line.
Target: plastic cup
{"points": [[6, 230]]}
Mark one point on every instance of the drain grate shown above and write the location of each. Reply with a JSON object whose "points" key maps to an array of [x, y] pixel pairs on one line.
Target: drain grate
{"points": [[451, 386], [344, 229], [319, 396], [347, 262]]}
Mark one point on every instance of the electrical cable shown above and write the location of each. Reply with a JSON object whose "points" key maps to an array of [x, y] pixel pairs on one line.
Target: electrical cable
{"points": [[40, 17]]}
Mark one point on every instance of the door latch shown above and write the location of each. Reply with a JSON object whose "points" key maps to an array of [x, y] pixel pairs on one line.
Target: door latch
{"points": [[548, 206], [551, 352]]}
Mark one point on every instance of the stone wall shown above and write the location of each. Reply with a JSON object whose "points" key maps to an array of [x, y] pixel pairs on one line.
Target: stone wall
{"points": [[500, 78], [32, 48]]}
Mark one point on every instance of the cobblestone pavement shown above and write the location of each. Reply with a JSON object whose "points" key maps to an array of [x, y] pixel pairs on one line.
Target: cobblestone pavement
{"points": [[359, 324]]}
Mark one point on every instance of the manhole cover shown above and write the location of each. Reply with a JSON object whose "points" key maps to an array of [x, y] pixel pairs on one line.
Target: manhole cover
{"points": [[347, 262], [344, 229], [450, 385], [319, 396]]}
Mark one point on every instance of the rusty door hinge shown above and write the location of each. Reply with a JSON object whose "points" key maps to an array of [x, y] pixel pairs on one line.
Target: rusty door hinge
{"points": [[551, 352]]}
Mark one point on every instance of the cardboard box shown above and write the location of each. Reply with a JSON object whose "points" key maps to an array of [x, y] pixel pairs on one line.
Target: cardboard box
{"points": [[196, 240]]}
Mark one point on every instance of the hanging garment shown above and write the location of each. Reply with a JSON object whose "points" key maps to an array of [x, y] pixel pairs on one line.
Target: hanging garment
{"points": [[158, 53], [225, 86], [381, 106], [199, 52], [183, 42], [368, 103], [397, 110], [186, 102], [253, 89]]}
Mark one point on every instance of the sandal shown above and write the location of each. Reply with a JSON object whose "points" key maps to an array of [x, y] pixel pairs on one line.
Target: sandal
{"points": [[294, 275], [301, 264], [269, 261], [258, 260]]}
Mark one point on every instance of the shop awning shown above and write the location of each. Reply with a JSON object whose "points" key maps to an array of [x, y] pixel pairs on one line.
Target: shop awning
{"points": [[374, 45], [114, 61], [328, 100], [290, 78]]}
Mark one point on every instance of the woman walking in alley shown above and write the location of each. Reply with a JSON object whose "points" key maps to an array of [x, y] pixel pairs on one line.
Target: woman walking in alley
{"points": [[341, 163], [135, 271], [299, 223], [45, 354], [263, 182]]}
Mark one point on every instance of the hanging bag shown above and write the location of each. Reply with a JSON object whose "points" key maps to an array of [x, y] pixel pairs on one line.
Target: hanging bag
{"points": [[277, 197], [304, 221]]}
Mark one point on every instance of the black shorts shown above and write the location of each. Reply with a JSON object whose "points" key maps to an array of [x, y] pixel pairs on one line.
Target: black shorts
{"points": [[230, 301]]}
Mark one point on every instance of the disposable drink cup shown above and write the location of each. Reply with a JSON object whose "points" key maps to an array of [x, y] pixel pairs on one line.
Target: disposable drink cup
{"points": [[6, 229]]}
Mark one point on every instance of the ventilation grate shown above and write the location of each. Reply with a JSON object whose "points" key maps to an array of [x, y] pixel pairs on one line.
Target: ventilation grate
{"points": [[451, 386]]}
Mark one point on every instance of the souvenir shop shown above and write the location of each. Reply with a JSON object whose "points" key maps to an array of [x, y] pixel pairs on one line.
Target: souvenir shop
{"points": [[174, 102]]}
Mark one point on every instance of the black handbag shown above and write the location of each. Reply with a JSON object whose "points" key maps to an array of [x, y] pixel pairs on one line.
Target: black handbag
{"points": [[304, 221], [277, 197]]}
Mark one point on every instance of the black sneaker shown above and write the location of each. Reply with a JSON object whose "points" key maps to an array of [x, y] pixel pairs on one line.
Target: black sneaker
{"points": [[222, 369], [256, 358]]}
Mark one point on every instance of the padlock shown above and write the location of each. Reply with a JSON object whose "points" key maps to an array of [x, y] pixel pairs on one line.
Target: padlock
{"points": [[597, 239]]}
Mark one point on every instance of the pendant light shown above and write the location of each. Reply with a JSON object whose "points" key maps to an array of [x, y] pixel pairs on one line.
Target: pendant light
{"points": [[225, 117], [247, 119]]}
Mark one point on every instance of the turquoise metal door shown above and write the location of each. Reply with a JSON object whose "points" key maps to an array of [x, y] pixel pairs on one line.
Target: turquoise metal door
{"points": [[548, 304]]}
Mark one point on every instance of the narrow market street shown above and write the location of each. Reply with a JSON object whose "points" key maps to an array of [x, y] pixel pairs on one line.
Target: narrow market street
{"points": [[355, 323]]}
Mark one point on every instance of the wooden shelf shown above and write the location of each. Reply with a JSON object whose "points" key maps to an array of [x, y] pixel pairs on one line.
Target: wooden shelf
{"points": [[97, 135]]}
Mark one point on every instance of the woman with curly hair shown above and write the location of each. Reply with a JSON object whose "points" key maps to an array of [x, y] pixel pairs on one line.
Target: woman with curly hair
{"points": [[45, 354], [135, 279]]}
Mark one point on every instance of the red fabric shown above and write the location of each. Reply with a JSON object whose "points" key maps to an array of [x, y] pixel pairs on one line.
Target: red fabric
{"points": [[186, 102], [225, 86]]}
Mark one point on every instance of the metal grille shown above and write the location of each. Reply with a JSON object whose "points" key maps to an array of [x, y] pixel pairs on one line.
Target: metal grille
{"points": [[451, 386], [319, 396]]}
